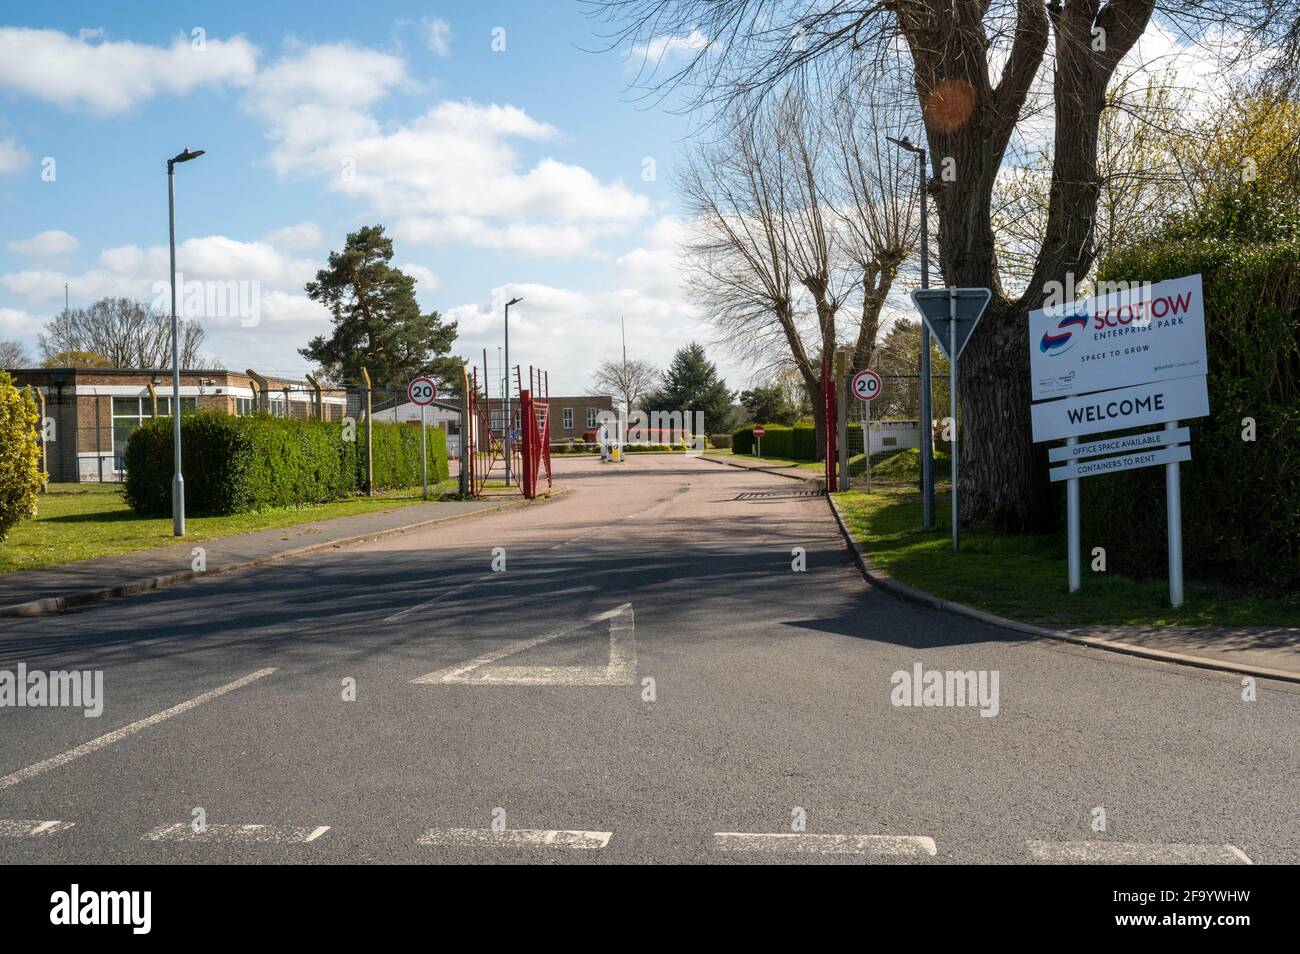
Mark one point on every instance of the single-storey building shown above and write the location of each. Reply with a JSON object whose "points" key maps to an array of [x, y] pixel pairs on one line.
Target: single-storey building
{"points": [[571, 417], [94, 410]]}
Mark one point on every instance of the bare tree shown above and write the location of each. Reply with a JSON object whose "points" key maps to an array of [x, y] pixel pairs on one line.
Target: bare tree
{"points": [[13, 354], [971, 109], [630, 380], [128, 333]]}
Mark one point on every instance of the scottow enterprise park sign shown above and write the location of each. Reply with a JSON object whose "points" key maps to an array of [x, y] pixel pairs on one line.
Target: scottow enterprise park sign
{"points": [[1127, 359]]}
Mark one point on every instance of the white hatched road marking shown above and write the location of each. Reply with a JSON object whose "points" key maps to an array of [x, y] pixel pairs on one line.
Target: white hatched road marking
{"points": [[513, 838], [805, 843], [117, 735], [621, 670], [251, 834], [1135, 853], [21, 828], [401, 615]]}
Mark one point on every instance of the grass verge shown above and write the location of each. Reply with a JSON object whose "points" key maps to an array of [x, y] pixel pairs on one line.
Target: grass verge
{"points": [[81, 521], [1024, 576]]}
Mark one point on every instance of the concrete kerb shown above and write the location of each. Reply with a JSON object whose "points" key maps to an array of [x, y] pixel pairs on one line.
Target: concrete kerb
{"points": [[58, 604], [806, 478], [880, 578]]}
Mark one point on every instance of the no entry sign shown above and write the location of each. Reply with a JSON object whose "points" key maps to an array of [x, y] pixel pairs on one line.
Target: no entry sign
{"points": [[422, 391], [759, 431]]}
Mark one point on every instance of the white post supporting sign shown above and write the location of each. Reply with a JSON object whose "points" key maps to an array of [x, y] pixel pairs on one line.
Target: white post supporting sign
{"points": [[1130, 358], [422, 391], [866, 386], [951, 314]]}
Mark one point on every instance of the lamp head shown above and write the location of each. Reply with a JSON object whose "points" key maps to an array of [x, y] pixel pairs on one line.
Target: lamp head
{"points": [[513, 301], [185, 156]]}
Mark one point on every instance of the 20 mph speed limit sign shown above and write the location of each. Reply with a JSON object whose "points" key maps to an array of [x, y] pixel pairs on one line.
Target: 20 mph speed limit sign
{"points": [[422, 391], [866, 385]]}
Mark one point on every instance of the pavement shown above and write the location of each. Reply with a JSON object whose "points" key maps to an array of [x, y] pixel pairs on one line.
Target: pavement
{"points": [[676, 661], [55, 588]]}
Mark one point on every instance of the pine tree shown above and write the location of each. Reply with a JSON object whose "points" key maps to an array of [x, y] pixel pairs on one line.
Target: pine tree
{"points": [[377, 321], [691, 383]]}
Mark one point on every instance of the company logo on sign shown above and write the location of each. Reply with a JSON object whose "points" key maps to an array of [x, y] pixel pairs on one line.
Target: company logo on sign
{"points": [[1058, 340]]}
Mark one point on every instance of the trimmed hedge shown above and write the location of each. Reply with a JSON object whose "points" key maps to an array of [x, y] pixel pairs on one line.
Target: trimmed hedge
{"points": [[797, 442], [242, 464], [1241, 499]]}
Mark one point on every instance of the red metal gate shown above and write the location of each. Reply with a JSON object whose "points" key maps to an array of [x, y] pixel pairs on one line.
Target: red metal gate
{"points": [[535, 417]]}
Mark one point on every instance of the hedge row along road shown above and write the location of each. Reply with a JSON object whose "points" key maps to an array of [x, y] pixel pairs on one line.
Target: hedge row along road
{"points": [[525, 690]]}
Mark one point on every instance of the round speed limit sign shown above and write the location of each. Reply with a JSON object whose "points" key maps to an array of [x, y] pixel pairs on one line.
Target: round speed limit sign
{"points": [[422, 391], [866, 385]]}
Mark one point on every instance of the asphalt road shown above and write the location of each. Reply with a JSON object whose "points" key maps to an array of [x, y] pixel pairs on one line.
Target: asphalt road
{"points": [[520, 696]]}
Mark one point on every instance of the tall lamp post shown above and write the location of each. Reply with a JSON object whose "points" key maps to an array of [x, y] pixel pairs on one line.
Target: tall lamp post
{"points": [[927, 423], [506, 371], [178, 481]]}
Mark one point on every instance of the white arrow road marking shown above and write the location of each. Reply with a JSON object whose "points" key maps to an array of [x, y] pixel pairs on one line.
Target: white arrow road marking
{"points": [[621, 670], [118, 734], [15, 828], [1133, 853], [804, 843], [513, 838], [249, 834]]}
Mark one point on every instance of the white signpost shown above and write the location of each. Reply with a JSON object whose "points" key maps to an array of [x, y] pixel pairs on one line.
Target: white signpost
{"points": [[866, 386], [1112, 362], [422, 391], [951, 314]]}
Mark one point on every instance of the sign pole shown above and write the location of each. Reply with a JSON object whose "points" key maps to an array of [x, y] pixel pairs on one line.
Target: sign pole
{"points": [[1072, 527], [1174, 515], [952, 402], [866, 440], [424, 455]]}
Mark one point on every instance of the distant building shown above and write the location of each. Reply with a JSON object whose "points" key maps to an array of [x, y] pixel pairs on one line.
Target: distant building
{"points": [[94, 410], [571, 417]]}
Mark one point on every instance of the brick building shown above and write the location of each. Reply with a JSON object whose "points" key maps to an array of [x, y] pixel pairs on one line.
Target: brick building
{"points": [[94, 410], [571, 417]]}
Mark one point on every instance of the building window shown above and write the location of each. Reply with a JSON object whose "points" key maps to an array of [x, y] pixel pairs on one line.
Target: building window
{"points": [[568, 418], [591, 417], [129, 412], [245, 406]]}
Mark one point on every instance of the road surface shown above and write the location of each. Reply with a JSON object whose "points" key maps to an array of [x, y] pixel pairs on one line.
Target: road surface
{"points": [[646, 677]]}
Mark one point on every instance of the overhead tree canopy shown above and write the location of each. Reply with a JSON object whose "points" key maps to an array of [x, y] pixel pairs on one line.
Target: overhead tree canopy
{"points": [[691, 383], [971, 66]]}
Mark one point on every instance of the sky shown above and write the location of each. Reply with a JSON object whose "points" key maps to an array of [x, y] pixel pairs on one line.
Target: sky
{"points": [[500, 148]]}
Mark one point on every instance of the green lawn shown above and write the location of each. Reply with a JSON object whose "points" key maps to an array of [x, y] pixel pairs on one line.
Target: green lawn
{"points": [[79, 521], [1024, 577]]}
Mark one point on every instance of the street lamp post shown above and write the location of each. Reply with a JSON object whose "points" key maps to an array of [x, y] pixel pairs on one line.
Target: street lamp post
{"points": [[506, 370], [178, 481], [927, 423]]}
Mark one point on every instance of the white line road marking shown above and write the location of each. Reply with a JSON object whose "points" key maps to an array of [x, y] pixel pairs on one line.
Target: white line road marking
{"points": [[621, 670], [117, 735], [804, 843], [15, 828], [441, 596], [250, 834], [513, 838], [1133, 853]]}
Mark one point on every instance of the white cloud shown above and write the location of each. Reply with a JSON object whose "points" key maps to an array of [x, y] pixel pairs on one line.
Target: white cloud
{"points": [[661, 48], [51, 242], [110, 77], [304, 235], [12, 156], [454, 175], [425, 280], [438, 33]]}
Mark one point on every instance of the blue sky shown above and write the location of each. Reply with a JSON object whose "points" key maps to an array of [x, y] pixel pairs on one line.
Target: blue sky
{"points": [[517, 171]]}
